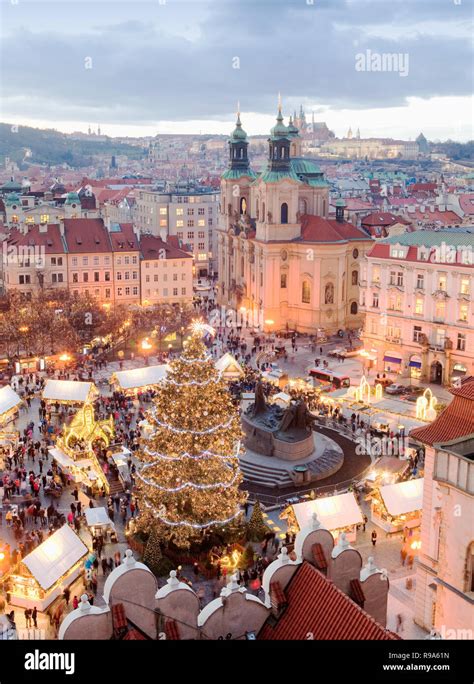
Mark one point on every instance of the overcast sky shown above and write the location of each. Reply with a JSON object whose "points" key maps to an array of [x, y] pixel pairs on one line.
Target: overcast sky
{"points": [[164, 66]]}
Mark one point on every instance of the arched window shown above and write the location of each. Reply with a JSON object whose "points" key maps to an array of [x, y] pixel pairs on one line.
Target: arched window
{"points": [[264, 217], [242, 266], [355, 277], [303, 206], [306, 292], [354, 308], [243, 205], [284, 213]]}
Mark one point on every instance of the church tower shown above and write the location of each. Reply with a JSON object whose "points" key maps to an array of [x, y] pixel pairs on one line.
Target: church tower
{"points": [[276, 191], [294, 135], [236, 180]]}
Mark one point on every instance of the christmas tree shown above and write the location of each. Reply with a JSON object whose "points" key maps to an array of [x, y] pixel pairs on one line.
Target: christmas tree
{"points": [[256, 527], [153, 555], [189, 480]]}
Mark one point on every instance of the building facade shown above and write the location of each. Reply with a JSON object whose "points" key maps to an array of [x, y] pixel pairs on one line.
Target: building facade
{"points": [[187, 212], [445, 567], [166, 272], [281, 260], [417, 296]]}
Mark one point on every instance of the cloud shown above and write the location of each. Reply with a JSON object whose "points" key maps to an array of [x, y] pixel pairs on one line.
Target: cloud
{"points": [[177, 62]]}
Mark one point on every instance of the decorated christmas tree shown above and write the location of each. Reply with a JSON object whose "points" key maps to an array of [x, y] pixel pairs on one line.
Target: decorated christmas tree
{"points": [[256, 527], [189, 479]]}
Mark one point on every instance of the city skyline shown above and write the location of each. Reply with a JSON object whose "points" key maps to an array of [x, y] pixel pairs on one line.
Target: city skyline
{"points": [[180, 67]]}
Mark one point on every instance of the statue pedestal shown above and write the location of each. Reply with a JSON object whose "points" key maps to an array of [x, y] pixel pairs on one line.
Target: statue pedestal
{"points": [[289, 446]]}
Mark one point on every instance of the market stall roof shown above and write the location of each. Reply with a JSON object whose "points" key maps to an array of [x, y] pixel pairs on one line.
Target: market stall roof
{"points": [[228, 365], [69, 391], [403, 497], [60, 457], [334, 512], [8, 399], [55, 556], [137, 378], [388, 464], [97, 517]]}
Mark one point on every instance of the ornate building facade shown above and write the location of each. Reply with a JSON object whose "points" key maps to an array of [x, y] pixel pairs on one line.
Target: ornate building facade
{"points": [[280, 260]]}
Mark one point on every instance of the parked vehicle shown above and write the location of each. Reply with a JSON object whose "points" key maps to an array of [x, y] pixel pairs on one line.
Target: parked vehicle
{"points": [[337, 352], [395, 388]]}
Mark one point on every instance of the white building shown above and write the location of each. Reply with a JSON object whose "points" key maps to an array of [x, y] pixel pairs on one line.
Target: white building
{"points": [[187, 212], [417, 294]]}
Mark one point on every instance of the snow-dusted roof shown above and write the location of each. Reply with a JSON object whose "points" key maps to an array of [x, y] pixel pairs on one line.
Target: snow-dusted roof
{"points": [[140, 377], [96, 517], [333, 512], [403, 497], [55, 556], [8, 399], [69, 390], [228, 365]]}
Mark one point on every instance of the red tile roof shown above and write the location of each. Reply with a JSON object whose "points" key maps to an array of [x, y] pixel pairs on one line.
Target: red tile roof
{"points": [[151, 246], [448, 218], [382, 218], [424, 187], [50, 240], [466, 202], [124, 240], [317, 606], [319, 229], [457, 419], [86, 236]]}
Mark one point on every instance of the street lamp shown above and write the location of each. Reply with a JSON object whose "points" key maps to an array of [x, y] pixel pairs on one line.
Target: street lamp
{"points": [[146, 347]]}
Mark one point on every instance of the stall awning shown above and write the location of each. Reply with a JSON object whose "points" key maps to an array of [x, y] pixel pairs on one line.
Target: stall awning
{"points": [[97, 517], [61, 458], [137, 378], [54, 557], [229, 366], [415, 364], [8, 399], [391, 359], [403, 497], [334, 512], [69, 390]]}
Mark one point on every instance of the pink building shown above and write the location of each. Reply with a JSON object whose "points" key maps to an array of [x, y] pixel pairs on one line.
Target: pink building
{"points": [[445, 570]]}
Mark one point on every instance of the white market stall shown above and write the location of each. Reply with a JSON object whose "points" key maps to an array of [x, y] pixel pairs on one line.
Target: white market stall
{"points": [[120, 456], [48, 570], [99, 522], [396, 506], [281, 399], [229, 367], [139, 379], [69, 392], [338, 513], [9, 403]]}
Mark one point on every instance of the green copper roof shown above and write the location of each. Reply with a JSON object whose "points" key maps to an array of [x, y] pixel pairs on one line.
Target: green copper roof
{"points": [[11, 185], [304, 165], [433, 238], [293, 132], [72, 197], [235, 174], [268, 176], [340, 202], [238, 134], [12, 197], [279, 130]]}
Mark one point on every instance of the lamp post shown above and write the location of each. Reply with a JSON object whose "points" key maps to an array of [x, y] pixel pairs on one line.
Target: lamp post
{"points": [[146, 347]]}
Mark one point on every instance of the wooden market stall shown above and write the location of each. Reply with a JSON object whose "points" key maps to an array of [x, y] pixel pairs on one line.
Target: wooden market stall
{"points": [[69, 392], [138, 379], [338, 513], [396, 506], [44, 573], [229, 367], [9, 405]]}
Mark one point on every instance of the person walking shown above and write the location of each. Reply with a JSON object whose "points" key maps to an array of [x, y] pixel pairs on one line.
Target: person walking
{"points": [[67, 595], [75, 602], [374, 538], [34, 617], [28, 617]]}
